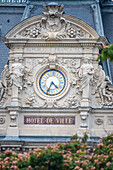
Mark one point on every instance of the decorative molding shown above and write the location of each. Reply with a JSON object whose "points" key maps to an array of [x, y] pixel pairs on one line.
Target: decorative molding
{"points": [[74, 64], [82, 43], [99, 121], [13, 118], [2, 120], [71, 101], [53, 26]]}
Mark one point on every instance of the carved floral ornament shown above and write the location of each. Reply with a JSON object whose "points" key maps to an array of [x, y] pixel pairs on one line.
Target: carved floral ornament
{"points": [[99, 121], [53, 26], [2, 120]]}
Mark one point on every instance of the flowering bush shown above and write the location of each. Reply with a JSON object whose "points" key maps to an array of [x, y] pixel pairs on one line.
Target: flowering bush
{"points": [[107, 52], [63, 156]]}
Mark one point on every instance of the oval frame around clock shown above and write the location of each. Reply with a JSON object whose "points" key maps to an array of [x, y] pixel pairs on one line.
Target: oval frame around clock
{"points": [[40, 73]]}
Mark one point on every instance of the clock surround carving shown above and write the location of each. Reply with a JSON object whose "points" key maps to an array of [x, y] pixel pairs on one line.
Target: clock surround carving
{"points": [[38, 90], [52, 82]]}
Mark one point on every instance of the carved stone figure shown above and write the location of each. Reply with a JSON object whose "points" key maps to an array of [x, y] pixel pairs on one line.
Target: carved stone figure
{"points": [[86, 73], [103, 92], [5, 85], [2, 90], [17, 73], [52, 23], [100, 88]]}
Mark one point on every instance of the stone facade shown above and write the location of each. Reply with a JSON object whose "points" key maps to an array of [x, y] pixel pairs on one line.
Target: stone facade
{"points": [[54, 43], [97, 13]]}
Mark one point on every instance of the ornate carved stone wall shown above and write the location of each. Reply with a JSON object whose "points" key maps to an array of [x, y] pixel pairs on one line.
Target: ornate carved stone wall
{"points": [[52, 65]]}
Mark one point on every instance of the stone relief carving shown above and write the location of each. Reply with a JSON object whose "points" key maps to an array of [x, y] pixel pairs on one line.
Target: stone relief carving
{"points": [[71, 101], [76, 32], [28, 78], [2, 90], [2, 120], [31, 101], [105, 94], [61, 61], [82, 77], [53, 26], [17, 72], [43, 61], [99, 121], [84, 119], [74, 64], [13, 119], [5, 85], [100, 88], [52, 59], [86, 73]]}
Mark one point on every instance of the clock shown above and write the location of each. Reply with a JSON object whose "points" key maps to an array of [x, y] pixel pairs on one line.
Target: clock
{"points": [[52, 82]]}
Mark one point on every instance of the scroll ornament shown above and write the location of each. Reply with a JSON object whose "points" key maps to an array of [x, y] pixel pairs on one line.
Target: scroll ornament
{"points": [[53, 26]]}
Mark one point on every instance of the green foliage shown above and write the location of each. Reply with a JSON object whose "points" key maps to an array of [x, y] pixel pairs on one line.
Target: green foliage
{"points": [[107, 52], [75, 137], [85, 137], [108, 140], [71, 155]]}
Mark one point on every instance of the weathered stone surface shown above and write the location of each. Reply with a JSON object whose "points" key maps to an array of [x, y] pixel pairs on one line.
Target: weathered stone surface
{"points": [[69, 46]]}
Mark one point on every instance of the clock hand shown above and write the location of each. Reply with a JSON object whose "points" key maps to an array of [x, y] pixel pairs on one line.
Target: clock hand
{"points": [[54, 84], [49, 86]]}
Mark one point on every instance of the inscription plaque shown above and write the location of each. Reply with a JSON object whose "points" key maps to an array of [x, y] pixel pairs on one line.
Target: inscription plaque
{"points": [[58, 120]]}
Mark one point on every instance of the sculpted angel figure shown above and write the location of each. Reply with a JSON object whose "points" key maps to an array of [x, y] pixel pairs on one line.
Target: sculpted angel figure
{"points": [[86, 73], [103, 91], [2, 90], [17, 74]]}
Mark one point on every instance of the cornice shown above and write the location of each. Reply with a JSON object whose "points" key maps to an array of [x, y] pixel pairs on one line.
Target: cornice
{"points": [[66, 43]]}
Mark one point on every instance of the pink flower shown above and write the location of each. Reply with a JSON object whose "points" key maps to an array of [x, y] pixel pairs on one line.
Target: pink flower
{"points": [[66, 164], [3, 167], [108, 163], [105, 46], [79, 151], [6, 159], [6, 162], [77, 162], [77, 167], [70, 158], [92, 168], [14, 162], [39, 154], [95, 160], [8, 152], [99, 145], [29, 167]]}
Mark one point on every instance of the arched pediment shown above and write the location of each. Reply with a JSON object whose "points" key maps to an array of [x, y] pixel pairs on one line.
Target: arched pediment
{"points": [[52, 25]]}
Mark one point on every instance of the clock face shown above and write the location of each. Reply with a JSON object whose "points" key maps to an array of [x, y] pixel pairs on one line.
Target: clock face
{"points": [[52, 82]]}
